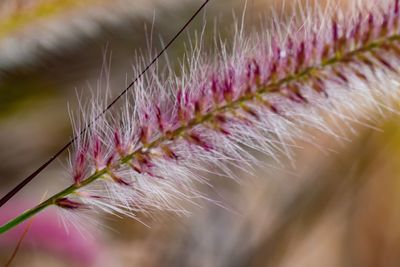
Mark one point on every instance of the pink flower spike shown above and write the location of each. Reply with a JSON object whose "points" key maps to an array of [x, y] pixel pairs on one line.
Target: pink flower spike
{"points": [[197, 140], [110, 160], [69, 204], [260, 90], [97, 156], [159, 119], [79, 166], [117, 142], [119, 180]]}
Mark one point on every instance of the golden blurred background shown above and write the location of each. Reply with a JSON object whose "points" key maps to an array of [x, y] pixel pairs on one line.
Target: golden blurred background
{"points": [[334, 204]]}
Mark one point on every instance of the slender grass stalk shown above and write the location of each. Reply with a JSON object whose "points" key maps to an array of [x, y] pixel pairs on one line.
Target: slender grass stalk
{"points": [[53, 200], [146, 161]]}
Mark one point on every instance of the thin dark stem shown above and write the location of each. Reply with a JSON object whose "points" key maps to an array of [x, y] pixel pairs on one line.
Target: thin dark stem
{"points": [[28, 179]]}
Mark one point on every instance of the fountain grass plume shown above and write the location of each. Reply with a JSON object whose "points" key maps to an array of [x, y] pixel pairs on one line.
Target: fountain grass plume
{"points": [[256, 91]]}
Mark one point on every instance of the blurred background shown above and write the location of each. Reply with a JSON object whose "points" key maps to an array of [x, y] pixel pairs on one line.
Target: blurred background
{"points": [[336, 206]]}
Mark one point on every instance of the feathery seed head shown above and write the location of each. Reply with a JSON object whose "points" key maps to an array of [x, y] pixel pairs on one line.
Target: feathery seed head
{"points": [[258, 95]]}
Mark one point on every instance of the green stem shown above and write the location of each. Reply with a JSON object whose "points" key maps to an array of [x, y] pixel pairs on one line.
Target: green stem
{"points": [[50, 201], [268, 88]]}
